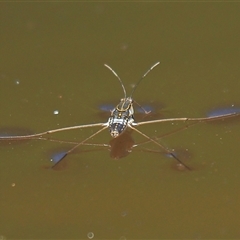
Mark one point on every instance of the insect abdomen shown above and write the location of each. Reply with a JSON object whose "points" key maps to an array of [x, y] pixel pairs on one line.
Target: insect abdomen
{"points": [[117, 126]]}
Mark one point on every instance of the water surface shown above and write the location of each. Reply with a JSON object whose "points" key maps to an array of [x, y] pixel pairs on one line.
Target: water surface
{"points": [[52, 57]]}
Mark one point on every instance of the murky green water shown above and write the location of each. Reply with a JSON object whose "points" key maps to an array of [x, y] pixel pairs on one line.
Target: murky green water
{"points": [[52, 57]]}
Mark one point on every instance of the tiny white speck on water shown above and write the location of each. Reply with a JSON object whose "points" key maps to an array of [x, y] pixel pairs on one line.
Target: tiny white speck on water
{"points": [[90, 235], [17, 82], [56, 112]]}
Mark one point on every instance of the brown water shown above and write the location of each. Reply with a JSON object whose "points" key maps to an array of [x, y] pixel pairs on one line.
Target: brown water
{"points": [[52, 57]]}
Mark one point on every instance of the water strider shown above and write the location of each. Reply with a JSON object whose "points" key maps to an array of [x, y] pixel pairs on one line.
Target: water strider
{"points": [[121, 118]]}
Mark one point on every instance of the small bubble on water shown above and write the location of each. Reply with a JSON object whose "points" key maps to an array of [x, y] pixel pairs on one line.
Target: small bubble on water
{"points": [[56, 112], [90, 235], [17, 82]]}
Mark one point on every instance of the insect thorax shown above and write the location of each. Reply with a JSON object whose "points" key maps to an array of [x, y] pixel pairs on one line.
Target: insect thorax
{"points": [[121, 116]]}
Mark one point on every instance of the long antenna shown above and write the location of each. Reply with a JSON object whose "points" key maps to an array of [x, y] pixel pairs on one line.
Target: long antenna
{"points": [[144, 75], [124, 90]]}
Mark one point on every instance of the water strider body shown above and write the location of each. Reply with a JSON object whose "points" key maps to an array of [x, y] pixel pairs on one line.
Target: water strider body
{"points": [[121, 118]]}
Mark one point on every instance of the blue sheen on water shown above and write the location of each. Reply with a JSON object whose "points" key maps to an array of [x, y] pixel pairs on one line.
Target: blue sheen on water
{"points": [[106, 107], [14, 131], [56, 157], [223, 111], [110, 107]]}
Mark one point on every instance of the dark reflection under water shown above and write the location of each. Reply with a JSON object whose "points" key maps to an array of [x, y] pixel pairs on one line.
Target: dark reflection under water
{"points": [[119, 147]]}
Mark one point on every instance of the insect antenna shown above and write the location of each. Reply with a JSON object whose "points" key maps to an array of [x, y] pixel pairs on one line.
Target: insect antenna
{"points": [[144, 75], [124, 90]]}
